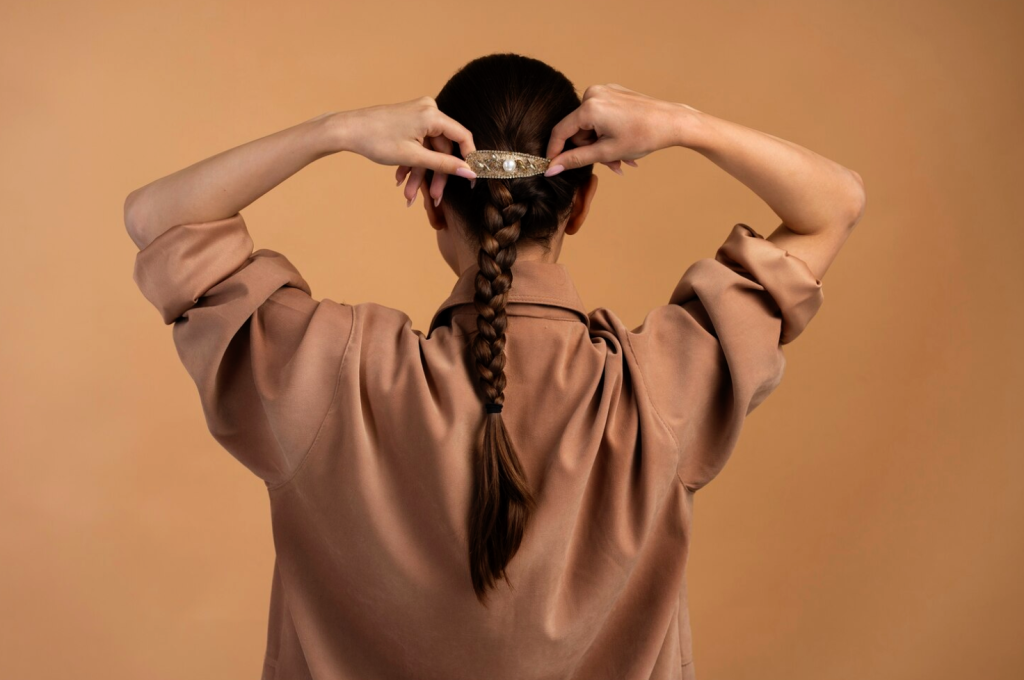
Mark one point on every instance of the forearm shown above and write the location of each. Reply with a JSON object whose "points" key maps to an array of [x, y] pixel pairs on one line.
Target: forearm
{"points": [[224, 184], [809, 192]]}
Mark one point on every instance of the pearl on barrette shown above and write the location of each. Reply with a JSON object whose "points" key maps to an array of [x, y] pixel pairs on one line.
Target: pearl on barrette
{"points": [[509, 165]]}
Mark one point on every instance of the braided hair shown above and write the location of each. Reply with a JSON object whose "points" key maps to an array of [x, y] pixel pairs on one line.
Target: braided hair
{"points": [[509, 102]]}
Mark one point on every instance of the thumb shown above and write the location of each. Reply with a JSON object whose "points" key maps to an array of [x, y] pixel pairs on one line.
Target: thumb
{"points": [[446, 163], [577, 158]]}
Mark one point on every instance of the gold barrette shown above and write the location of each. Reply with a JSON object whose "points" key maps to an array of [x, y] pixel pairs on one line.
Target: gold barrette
{"points": [[500, 164]]}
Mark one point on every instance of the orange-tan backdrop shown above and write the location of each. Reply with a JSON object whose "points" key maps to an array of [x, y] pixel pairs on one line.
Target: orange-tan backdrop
{"points": [[871, 522]]}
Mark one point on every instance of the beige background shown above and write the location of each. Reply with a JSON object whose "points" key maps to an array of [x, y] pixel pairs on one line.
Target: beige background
{"points": [[870, 523]]}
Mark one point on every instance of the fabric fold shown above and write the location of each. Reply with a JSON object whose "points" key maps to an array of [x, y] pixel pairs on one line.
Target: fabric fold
{"points": [[714, 353], [787, 278], [182, 264], [264, 355]]}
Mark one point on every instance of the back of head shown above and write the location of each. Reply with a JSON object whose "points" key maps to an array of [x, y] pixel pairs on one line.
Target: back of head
{"points": [[509, 103]]}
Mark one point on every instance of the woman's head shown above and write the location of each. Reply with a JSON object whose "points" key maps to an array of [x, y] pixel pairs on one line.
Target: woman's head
{"points": [[509, 103]]}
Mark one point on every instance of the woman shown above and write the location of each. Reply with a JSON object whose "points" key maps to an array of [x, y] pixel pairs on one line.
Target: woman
{"points": [[401, 487]]}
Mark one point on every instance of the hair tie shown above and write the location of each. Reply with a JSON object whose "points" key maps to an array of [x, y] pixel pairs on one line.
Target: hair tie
{"points": [[493, 408]]}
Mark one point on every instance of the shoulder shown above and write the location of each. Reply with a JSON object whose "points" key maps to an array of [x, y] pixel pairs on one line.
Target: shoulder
{"points": [[373, 329], [376, 318], [292, 309], [669, 326]]}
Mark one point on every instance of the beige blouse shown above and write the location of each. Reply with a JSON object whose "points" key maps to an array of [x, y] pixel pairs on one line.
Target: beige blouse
{"points": [[362, 428]]}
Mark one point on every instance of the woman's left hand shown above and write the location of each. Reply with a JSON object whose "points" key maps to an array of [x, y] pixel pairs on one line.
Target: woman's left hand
{"points": [[414, 135]]}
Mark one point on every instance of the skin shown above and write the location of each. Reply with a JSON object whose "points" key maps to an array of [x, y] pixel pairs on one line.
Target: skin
{"points": [[818, 200], [461, 255]]}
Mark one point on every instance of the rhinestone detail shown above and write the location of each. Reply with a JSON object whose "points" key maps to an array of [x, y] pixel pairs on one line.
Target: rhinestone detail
{"points": [[504, 164]]}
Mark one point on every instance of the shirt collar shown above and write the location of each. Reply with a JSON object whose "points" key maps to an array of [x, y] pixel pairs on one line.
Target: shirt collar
{"points": [[533, 283]]}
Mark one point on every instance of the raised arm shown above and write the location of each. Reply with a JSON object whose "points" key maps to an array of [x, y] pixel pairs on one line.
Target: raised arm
{"points": [[220, 186], [818, 200], [413, 134]]}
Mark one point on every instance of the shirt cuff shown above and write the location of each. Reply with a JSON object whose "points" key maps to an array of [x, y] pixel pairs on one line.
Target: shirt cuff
{"points": [[787, 278], [180, 265]]}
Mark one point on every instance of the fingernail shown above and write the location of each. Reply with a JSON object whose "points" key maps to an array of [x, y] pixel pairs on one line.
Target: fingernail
{"points": [[465, 172], [408, 204], [554, 170], [398, 183], [472, 183], [618, 170], [437, 201]]}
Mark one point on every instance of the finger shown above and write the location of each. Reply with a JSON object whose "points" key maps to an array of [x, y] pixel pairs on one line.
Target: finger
{"points": [[600, 151], [443, 145], [416, 176], [562, 131], [440, 162], [615, 166], [412, 186], [584, 137], [400, 174], [440, 124], [575, 126]]}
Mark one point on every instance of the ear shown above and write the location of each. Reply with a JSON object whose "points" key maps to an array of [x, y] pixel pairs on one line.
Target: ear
{"points": [[581, 205], [434, 213]]}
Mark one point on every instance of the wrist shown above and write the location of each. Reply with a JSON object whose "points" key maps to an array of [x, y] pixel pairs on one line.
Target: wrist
{"points": [[328, 133], [692, 128]]}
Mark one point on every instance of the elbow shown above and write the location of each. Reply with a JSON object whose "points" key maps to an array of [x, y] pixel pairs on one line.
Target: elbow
{"points": [[857, 200], [132, 215], [130, 211]]}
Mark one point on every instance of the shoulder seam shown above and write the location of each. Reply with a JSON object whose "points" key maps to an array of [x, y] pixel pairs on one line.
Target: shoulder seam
{"points": [[330, 407]]}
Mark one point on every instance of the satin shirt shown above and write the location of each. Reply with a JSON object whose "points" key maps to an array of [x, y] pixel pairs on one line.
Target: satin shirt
{"points": [[363, 430]]}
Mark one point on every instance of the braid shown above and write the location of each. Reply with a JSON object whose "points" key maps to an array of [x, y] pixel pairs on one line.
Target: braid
{"points": [[493, 281], [509, 102], [502, 501]]}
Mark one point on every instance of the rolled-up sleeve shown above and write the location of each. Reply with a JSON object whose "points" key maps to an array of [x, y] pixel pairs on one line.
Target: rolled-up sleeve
{"points": [[262, 352], [714, 352]]}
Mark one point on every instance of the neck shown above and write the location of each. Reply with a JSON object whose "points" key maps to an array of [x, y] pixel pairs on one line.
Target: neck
{"points": [[532, 253]]}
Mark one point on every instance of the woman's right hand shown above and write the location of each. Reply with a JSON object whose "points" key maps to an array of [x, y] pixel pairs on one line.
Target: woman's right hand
{"points": [[612, 125]]}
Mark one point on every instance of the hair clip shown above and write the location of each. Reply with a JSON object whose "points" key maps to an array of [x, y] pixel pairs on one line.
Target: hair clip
{"points": [[504, 164]]}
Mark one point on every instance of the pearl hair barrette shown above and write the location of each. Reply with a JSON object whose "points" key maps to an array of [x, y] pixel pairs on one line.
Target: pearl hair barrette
{"points": [[503, 164]]}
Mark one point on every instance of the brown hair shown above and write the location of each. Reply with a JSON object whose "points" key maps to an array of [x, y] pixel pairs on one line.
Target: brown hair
{"points": [[508, 102]]}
